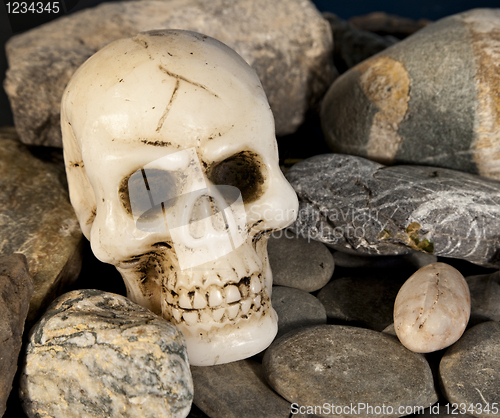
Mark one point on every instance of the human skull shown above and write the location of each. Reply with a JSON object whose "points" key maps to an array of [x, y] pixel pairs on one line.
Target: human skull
{"points": [[173, 173]]}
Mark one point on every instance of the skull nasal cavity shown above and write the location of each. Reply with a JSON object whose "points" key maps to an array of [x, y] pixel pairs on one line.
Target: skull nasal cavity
{"points": [[243, 171], [205, 209]]}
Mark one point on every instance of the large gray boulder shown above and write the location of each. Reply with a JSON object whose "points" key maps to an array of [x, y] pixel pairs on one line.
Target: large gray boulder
{"points": [[431, 99], [288, 43]]}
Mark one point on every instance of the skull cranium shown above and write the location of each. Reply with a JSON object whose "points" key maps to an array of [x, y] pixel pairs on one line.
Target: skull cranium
{"points": [[173, 172]]}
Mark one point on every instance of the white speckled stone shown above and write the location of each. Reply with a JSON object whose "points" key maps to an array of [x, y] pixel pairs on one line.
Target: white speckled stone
{"points": [[432, 308], [97, 354]]}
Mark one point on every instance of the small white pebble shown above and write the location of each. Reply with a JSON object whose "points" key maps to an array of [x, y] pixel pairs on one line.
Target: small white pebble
{"points": [[432, 308]]}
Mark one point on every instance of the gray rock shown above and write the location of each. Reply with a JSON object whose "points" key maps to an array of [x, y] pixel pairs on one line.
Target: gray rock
{"points": [[415, 258], [386, 24], [362, 301], [352, 45], [296, 309], [329, 364], [37, 219], [469, 370], [348, 260], [236, 390], [16, 288], [299, 262], [288, 43], [408, 105], [484, 296], [419, 259], [98, 354], [390, 330], [363, 207]]}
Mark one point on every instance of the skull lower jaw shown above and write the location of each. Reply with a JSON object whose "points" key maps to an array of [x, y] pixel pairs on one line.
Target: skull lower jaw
{"points": [[230, 342], [215, 333], [228, 330]]}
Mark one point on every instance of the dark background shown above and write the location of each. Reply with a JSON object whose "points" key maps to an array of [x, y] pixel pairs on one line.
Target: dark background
{"points": [[429, 9]]}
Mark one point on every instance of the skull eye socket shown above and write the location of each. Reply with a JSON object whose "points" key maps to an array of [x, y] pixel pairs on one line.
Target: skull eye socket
{"points": [[243, 171], [144, 191]]}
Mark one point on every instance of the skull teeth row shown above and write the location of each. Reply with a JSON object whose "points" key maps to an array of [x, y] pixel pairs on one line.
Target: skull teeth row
{"points": [[242, 309], [214, 296], [218, 303]]}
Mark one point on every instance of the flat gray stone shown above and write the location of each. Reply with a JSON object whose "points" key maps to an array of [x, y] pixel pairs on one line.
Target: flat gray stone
{"points": [[16, 288], [296, 309], [365, 208], [236, 390], [348, 260], [408, 105], [415, 258], [420, 259], [98, 354], [37, 219], [469, 370], [288, 43], [362, 301], [390, 330], [339, 365], [484, 296], [298, 262]]}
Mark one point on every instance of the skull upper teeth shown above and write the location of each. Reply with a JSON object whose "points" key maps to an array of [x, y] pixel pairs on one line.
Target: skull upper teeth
{"points": [[199, 301], [218, 303], [215, 297], [232, 294]]}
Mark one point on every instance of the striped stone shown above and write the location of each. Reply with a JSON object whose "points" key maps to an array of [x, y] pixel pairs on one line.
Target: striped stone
{"points": [[97, 354], [432, 99], [359, 206]]}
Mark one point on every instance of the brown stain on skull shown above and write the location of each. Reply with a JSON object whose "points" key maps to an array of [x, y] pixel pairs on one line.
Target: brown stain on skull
{"points": [[484, 33], [386, 83], [92, 216], [76, 164]]}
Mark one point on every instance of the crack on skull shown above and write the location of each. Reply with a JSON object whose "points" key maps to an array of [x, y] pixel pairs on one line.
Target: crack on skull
{"points": [[181, 78], [169, 105]]}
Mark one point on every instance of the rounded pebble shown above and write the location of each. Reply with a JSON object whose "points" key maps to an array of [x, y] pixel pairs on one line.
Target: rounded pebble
{"points": [[469, 370], [432, 308], [97, 354], [408, 105], [296, 309], [217, 391], [299, 262], [340, 365], [342, 259], [362, 301], [484, 295]]}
